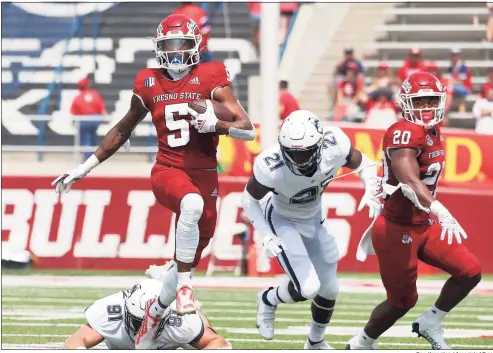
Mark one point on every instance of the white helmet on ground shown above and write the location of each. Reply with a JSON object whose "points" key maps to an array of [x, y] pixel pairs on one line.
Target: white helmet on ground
{"points": [[135, 302], [301, 140]]}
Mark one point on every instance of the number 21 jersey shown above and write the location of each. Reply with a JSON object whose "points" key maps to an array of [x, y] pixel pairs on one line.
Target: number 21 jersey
{"points": [[180, 144], [431, 160]]}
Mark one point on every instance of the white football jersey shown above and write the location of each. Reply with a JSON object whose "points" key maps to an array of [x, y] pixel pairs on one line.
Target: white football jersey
{"points": [[107, 317], [299, 197]]}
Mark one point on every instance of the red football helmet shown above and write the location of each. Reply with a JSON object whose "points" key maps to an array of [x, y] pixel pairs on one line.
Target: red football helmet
{"points": [[177, 40], [422, 99]]}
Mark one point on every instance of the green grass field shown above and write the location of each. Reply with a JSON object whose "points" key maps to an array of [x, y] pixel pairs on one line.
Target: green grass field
{"points": [[47, 315]]}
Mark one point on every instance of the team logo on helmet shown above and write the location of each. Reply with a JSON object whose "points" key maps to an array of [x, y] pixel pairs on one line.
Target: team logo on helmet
{"points": [[406, 86], [191, 28], [159, 30], [439, 85]]}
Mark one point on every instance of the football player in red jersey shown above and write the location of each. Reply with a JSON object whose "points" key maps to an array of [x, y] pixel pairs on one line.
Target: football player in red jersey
{"points": [[413, 158], [184, 178]]}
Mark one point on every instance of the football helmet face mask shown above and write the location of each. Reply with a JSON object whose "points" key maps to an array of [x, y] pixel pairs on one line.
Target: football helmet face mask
{"points": [[176, 43], [422, 99], [135, 303], [301, 140]]}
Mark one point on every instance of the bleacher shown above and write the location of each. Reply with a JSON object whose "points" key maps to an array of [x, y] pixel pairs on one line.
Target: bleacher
{"points": [[122, 49], [436, 27]]}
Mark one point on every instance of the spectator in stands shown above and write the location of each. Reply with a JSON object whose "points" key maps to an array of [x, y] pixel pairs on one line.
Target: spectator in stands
{"points": [[199, 16], [287, 102], [349, 94], [412, 64], [488, 84], [383, 81], [459, 74], [433, 69], [489, 24], [88, 102], [255, 8], [483, 112], [349, 58], [382, 111], [341, 70]]}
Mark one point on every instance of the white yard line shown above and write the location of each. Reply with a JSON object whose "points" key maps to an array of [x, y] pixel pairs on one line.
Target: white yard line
{"points": [[382, 344], [8, 322], [346, 285]]}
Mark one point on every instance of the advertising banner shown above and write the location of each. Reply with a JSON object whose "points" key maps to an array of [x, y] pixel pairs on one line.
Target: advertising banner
{"points": [[466, 156], [116, 223]]}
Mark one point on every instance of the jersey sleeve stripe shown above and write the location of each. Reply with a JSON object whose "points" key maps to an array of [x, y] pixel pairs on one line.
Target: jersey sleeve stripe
{"points": [[214, 89], [141, 100], [287, 266], [199, 336], [349, 155]]}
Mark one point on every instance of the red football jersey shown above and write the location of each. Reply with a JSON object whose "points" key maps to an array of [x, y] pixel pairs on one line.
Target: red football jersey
{"points": [[431, 160], [180, 144]]}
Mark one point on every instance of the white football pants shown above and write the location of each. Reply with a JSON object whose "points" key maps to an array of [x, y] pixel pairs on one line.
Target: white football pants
{"points": [[310, 255]]}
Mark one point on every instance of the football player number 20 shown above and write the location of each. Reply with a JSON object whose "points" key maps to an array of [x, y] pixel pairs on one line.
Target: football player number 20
{"points": [[172, 111]]}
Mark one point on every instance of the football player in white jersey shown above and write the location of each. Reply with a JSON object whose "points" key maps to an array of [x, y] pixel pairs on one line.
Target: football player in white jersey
{"points": [[295, 172], [116, 319]]}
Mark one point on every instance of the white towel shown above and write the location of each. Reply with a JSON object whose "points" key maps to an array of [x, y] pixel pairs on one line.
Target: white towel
{"points": [[365, 246]]}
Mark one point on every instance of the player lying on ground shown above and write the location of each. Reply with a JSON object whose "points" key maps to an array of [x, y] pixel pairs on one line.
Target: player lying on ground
{"points": [[295, 173], [116, 319], [184, 178], [413, 157]]}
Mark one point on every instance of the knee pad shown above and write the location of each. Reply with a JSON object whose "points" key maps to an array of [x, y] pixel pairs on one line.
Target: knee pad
{"points": [[329, 287], [191, 207], [310, 287], [329, 290], [187, 229], [403, 299]]}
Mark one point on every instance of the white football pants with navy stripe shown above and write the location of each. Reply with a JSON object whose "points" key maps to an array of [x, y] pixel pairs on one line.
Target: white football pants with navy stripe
{"points": [[310, 255]]}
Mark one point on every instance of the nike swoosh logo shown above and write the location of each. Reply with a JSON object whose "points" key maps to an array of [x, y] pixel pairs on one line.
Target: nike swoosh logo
{"points": [[322, 221], [329, 171]]}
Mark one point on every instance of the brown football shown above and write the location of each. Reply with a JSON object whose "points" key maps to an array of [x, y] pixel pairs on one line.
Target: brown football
{"points": [[221, 111]]}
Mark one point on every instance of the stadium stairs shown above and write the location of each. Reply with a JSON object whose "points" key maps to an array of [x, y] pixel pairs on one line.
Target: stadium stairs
{"points": [[434, 27]]}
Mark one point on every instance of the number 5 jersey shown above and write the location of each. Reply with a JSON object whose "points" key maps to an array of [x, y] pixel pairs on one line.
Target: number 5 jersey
{"points": [[180, 144]]}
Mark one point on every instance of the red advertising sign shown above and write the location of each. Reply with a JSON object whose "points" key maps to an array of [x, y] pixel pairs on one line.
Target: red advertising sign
{"points": [[466, 156], [116, 223]]}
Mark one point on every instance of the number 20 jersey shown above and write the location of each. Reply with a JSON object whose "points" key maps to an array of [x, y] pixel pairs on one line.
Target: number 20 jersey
{"points": [[180, 144], [299, 197], [431, 160]]}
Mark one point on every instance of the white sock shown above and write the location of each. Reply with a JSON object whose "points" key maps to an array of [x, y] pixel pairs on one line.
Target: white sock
{"points": [[184, 279], [364, 339], [437, 313], [167, 294], [317, 332], [272, 297]]}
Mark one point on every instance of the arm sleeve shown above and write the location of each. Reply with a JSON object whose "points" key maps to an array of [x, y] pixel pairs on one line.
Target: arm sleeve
{"points": [[404, 136], [262, 173], [139, 88], [220, 78], [335, 136]]}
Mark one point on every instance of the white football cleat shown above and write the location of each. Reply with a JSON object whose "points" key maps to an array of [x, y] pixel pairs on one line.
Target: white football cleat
{"points": [[354, 344], [431, 330], [185, 301], [145, 336], [265, 317], [318, 345]]}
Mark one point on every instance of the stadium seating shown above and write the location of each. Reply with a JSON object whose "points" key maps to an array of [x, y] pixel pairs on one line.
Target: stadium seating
{"points": [[435, 28], [122, 50]]}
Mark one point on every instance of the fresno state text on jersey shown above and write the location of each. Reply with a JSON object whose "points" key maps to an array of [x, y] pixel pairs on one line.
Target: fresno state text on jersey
{"points": [[431, 160], [180, 144]]}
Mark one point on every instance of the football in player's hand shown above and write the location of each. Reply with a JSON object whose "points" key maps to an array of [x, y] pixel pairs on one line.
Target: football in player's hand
{"points": [[222, 113]]}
